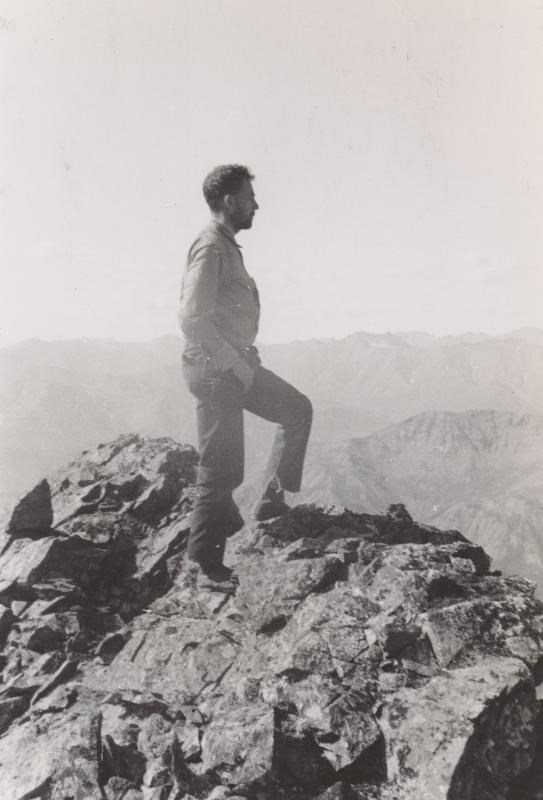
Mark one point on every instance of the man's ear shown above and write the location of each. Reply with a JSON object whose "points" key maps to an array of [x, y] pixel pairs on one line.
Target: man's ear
{"points": [[229, 202]]}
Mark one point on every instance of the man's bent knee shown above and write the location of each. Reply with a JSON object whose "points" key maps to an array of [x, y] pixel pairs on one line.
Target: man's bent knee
{"points": [[305, 411]]}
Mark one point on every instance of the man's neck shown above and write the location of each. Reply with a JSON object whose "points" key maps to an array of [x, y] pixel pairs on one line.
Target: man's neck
{"points": [[222, 219]]}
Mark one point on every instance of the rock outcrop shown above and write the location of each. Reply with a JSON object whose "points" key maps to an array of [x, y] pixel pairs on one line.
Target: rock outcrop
{"points": [[362, 658]]}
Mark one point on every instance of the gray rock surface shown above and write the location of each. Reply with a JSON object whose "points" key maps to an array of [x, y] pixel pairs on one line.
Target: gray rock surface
{"points": [[363, 657]]}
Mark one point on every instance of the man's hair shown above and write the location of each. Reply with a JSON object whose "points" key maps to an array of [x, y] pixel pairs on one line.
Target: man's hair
{"points": [[223, 180]]}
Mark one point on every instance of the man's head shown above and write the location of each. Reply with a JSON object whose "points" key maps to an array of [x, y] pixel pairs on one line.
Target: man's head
{"points": [[228, 191]]}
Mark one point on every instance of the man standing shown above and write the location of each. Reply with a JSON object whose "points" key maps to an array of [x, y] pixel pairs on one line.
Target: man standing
{"points": [[219, 317]]}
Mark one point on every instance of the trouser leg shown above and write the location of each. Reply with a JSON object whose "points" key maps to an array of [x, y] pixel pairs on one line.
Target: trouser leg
{"points": [[206, 542], [273, 399], [219, 416]]}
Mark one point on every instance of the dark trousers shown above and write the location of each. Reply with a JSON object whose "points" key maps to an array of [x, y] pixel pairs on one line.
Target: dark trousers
{"points": [[221, 403]]}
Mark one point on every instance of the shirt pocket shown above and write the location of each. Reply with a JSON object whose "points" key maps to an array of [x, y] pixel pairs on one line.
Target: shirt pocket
{"points": [[242, 293]]}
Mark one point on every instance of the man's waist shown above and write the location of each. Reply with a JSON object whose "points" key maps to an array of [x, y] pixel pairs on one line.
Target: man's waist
{"points": [[248, 352]]}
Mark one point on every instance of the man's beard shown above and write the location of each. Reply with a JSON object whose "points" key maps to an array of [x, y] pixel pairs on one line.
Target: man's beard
{"points": [[245, 223]]}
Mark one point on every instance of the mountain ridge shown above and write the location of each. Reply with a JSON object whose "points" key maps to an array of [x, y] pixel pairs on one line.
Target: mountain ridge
{"points": [[480, 472]]}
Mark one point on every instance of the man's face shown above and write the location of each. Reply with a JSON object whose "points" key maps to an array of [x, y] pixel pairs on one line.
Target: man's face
{"points": [[243, 207]]}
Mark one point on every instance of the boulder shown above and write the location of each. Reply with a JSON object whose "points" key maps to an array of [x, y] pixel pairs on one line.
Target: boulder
{"points": [[240, 743], [55, 756], [465, 735], [271, 588], [460, 632], [33, 514]]}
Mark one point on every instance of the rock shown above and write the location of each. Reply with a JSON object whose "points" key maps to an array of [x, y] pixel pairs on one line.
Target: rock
{"points": [[461, 631], [18, 607], [66, 671], [33, 514], [397, 512], [10, 709], [112, 644], [78, 775], [27, 562], [164, 658], [326, 634], [145, 475], [29, 674], [361, 658], [55, 700], [120, 756], [341, 724], [122, 789], [239, 744], [54, 754], [21, 561], [529, 784], [7, 618], [271, 589], [188, 737], [468, 712], [339, 791]]}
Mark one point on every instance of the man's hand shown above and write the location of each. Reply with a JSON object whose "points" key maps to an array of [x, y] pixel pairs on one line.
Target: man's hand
{"points": [[244, 373]]}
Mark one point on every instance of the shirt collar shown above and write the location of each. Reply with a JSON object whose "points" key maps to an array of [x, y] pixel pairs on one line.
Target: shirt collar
{"points": [[225, 231]]}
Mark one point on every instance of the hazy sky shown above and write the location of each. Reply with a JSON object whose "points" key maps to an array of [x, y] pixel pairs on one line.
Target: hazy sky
{"points": [[397, 146]]}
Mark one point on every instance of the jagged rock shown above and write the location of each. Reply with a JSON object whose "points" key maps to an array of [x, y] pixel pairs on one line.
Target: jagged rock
{"points": [[339, 791], [362, 657], [239, 743], [25, 676], [33, 514], [120, 756], [66, 671], [10, 709], [529, 784], [344, 727], [54, 755], [112, 644], [54, 700], [270, 588], [122, 789], [483, 718], [461, 631], [27, 562], [146, 476], [7, 618], [18, 607], [22, 560], [177, 658]]}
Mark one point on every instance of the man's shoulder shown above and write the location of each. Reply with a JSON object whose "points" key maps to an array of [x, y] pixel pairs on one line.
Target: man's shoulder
{"points": [[213, 235]]}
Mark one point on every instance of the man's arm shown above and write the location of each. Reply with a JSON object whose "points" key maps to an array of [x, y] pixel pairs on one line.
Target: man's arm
{"points": [[198, 300]]}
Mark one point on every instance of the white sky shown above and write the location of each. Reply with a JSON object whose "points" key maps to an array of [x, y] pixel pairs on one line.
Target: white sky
{"points": [[397, 146]]}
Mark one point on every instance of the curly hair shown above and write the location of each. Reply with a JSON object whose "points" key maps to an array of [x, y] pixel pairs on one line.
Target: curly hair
{"points": [[223, 180]]}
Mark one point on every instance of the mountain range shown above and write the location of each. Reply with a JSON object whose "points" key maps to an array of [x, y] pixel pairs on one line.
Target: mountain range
{"points": [[57, 398], [450, 426], [480, 472]]}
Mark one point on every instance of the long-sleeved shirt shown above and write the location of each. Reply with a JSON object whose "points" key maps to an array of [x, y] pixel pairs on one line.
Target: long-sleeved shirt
{"points": [[220, 307]]}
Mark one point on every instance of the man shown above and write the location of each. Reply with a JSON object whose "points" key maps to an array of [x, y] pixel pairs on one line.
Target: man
{"points": [[219, 317]]}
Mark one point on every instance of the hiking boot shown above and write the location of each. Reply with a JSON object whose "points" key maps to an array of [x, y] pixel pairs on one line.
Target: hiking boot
{"points": [[217, 579], [271, 505]]}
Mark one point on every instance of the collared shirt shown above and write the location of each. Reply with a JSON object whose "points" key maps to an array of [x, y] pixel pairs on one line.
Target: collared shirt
{"points": [[220, 307]]}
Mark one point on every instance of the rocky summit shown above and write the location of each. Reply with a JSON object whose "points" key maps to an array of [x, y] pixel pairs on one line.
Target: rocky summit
{"points": [[363, 657]]}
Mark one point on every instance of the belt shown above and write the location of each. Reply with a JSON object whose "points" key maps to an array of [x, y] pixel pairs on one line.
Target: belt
{"points": [[249, 354]]}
